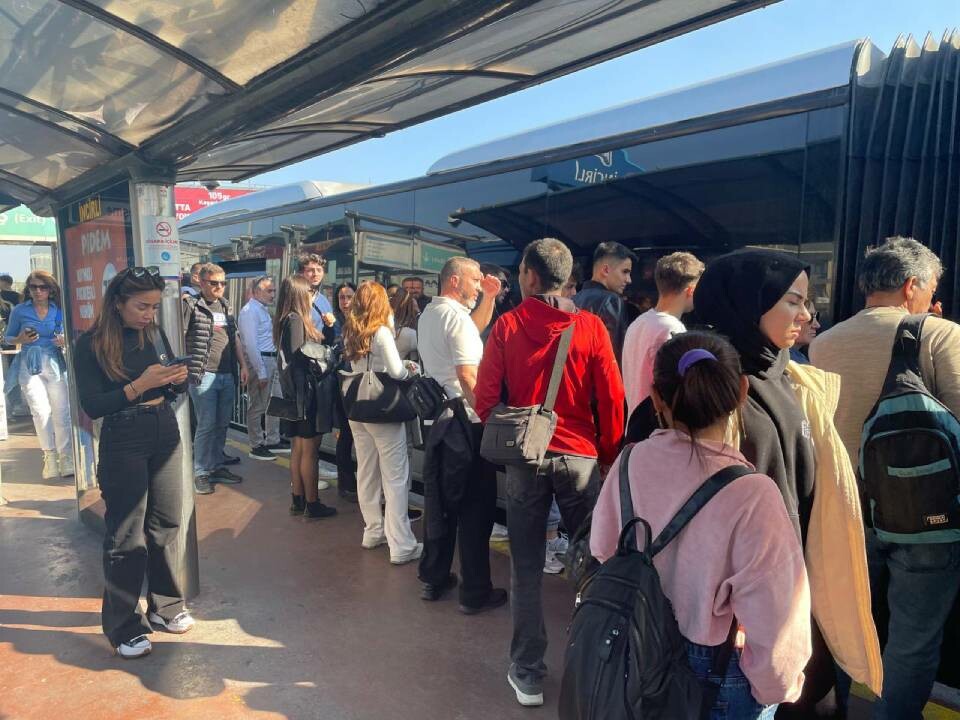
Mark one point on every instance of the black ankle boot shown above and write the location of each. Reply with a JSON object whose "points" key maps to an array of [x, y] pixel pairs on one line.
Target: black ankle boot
{"points": [[298, 504], [316, 510]]}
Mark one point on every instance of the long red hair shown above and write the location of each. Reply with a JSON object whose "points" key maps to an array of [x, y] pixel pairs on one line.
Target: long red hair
{"points": [[369, 312]]}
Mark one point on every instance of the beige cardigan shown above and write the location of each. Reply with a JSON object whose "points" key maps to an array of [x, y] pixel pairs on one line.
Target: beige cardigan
{"points": [[835, 553]]}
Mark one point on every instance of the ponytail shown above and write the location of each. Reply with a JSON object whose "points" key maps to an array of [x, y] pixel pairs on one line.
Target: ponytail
{"points": [[697, 374]]}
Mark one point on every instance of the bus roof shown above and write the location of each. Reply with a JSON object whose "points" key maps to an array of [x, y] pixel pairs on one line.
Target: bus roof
{"points": [[269, 198], [814, 72]]}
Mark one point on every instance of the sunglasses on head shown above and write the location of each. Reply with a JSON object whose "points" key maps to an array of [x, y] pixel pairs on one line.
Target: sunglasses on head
{"points": [[139, 273]]}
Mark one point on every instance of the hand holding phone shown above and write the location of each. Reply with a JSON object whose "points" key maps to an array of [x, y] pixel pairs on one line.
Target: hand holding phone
{"points": [[176, 361]]}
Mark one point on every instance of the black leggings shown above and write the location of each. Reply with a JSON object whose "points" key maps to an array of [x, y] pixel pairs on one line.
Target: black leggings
{"points": [[139, 472]]}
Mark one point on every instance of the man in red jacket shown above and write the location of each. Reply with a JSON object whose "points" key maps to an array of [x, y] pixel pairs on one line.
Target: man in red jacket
{"points": [[519, 355]]}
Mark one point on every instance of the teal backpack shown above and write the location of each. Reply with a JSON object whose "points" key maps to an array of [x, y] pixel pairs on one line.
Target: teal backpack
{"points": [[909, 451]]}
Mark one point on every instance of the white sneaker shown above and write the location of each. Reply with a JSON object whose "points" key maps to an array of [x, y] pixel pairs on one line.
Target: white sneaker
{"points": [[182, 623], [326, 471], [499, 532], [322, 484], [66, 464], [556, 548], [373, 542], [409, 557], [51, 465], [137, 647]]}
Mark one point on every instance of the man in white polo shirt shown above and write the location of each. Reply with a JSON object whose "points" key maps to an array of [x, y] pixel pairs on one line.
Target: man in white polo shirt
{"points": [[451, 349]]}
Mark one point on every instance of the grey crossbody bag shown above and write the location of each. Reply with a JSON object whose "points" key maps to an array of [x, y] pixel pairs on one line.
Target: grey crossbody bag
{"points": [[521, 435]]}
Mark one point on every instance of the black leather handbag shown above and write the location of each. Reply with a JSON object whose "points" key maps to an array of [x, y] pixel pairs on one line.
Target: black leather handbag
{"points": [[426, 396], [375, 397]]}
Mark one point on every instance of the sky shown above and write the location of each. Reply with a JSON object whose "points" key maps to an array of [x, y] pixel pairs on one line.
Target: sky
{"points": [[777, 32]]}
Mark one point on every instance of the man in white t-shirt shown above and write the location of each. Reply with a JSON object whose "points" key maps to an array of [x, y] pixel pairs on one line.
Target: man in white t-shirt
{"points": [[676, 276], [451, 350]]}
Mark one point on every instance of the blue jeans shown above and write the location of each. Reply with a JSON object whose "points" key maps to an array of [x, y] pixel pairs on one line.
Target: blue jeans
{"points": [[213, 404], [921, 582], [735, 701], [553, 518]]}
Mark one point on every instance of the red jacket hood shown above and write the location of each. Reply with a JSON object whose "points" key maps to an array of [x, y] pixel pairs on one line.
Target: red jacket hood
{"points": [[541, 322]]}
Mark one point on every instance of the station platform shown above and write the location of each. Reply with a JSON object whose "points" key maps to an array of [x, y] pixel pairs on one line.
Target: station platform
{"points": [[295, 619]]}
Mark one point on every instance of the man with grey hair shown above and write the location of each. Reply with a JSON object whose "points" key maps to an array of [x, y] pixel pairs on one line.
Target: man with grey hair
{"points": [[256, 332], [450, 349], [519, 357], [921, 580]]}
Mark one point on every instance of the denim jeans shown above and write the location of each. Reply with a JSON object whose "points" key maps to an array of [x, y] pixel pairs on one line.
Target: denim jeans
{"points": [[553, 517], [735, 701], [921, 583], [213, 403], [575, 481]]}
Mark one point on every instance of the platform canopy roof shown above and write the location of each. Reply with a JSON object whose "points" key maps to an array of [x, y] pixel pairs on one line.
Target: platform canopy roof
{"points": [[93, 91]]}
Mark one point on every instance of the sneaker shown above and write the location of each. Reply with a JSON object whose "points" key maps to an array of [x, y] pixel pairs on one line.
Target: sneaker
{"points": [[414, 514], [261, 452], [323, 485], [326, 471], [222, 475], [432, 593], [373, 542], [202, 486], [51, 465], [66, 464], [528, 694], [552, 564], [499, 532], [348, 495], [297, 505], [496, 598], [281, 448], [134, 648], [182, 623], [230, 460], [408, 557], [553, 561], [317, 510]]}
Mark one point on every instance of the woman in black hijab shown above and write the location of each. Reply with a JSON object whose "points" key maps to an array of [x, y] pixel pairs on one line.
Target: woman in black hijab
{"points": [[757, 299]]}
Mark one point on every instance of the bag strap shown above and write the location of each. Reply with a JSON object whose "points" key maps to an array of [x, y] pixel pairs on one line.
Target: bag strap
{"points": [[713, 484], [562, 350], [905, 356], [626, 497]]}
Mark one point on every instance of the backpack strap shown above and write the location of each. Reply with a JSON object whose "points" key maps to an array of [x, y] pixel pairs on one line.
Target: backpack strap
{"points": [[905, 356], [713, 484], [626, 498], [562, 351]]}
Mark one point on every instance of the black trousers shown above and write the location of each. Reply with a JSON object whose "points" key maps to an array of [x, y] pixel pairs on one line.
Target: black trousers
{"points": [[139, 471], [472, 525]]}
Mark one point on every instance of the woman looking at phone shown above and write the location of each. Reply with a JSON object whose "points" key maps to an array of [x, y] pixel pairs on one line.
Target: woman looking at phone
{"points": [[36, 325], [123, 362]]}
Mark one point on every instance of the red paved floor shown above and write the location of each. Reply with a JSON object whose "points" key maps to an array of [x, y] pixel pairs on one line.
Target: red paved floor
{"points": [[296, 620]]}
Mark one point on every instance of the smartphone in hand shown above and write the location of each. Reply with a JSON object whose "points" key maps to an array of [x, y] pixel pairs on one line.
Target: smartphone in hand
{"points": [[176, 361]]}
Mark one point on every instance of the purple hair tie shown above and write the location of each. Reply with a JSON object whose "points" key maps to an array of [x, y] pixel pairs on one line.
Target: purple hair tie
{"points": [[691, 357]]}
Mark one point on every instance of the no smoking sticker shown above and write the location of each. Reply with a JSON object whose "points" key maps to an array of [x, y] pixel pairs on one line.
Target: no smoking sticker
{"points": [[164, 229]]}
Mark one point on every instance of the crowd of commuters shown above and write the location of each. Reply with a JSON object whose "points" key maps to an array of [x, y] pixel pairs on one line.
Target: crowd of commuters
{"points": [[785, 556]]}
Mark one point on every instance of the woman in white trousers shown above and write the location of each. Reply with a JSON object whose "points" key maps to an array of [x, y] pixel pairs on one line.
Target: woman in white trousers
{"points": [[36, 325], [382, 459]]}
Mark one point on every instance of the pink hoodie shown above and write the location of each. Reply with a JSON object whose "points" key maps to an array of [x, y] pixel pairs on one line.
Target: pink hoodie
{"points": [[739, 555]]}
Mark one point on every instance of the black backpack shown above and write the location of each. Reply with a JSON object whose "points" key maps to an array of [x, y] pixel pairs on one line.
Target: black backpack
{"points": [[910, 453], [625, 657]]}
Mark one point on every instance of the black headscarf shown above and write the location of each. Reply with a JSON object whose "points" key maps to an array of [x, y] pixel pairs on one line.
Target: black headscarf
{"points": [[735, 292]]}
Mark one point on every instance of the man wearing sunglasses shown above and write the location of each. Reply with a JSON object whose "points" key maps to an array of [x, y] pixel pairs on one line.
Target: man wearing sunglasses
{"points": [[216, 356]]}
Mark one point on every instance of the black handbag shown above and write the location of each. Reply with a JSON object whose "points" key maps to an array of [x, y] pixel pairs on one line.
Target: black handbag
{"points": [[375, 397], [426, 396]]}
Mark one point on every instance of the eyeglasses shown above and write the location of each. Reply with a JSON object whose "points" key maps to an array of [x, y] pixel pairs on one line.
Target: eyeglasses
{"points": [[216, 283], [39, 287]]}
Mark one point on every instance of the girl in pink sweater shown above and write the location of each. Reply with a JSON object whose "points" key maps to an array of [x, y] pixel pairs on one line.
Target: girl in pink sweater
{"points": [[739, 556]]}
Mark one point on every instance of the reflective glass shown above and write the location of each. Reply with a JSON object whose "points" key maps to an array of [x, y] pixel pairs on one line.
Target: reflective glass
{"points": [[66, 59], [264, 152], [241, 38], [25, 151]]}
